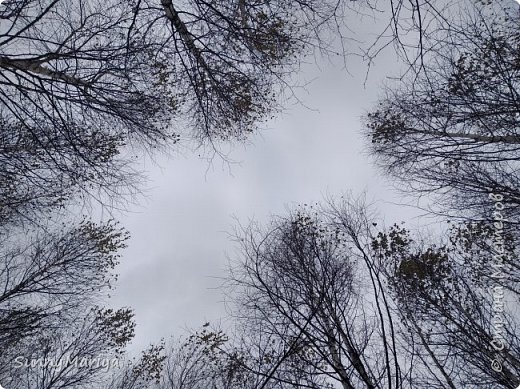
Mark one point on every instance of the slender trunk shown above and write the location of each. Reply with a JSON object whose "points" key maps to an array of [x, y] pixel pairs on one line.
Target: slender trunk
{"points": [[353, 355], [187, 38], [509, 139], [36, 67], [338, 365]]}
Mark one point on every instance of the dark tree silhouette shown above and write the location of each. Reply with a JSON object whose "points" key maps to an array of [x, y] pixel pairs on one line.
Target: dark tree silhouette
{"points": [[80, 353], [48, 278], [443, 298], [309, 278], [451, 130], [84, 85]]}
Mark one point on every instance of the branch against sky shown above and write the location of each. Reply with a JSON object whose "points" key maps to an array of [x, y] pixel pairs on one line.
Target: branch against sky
{"points": [[310, 276], [451, 130]]}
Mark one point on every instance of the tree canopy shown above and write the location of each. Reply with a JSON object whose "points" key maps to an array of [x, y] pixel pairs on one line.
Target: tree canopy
{"points": [[450, 129]]}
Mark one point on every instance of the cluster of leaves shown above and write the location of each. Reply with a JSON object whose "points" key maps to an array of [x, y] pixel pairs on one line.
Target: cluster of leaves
{"points": [[414, 270]]}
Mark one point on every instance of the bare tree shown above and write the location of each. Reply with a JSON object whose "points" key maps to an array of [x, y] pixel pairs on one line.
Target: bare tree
{"points": [[309, 279], [84, 85], [44, 168], [210, 358], [79, 353], [451, 131], [202, 361], [49, 278], [386, 309], [456, 328], [143, 372]]}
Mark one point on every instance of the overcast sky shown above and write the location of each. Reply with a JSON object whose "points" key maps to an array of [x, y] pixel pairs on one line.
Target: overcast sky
{"points": [[178, 246]]}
